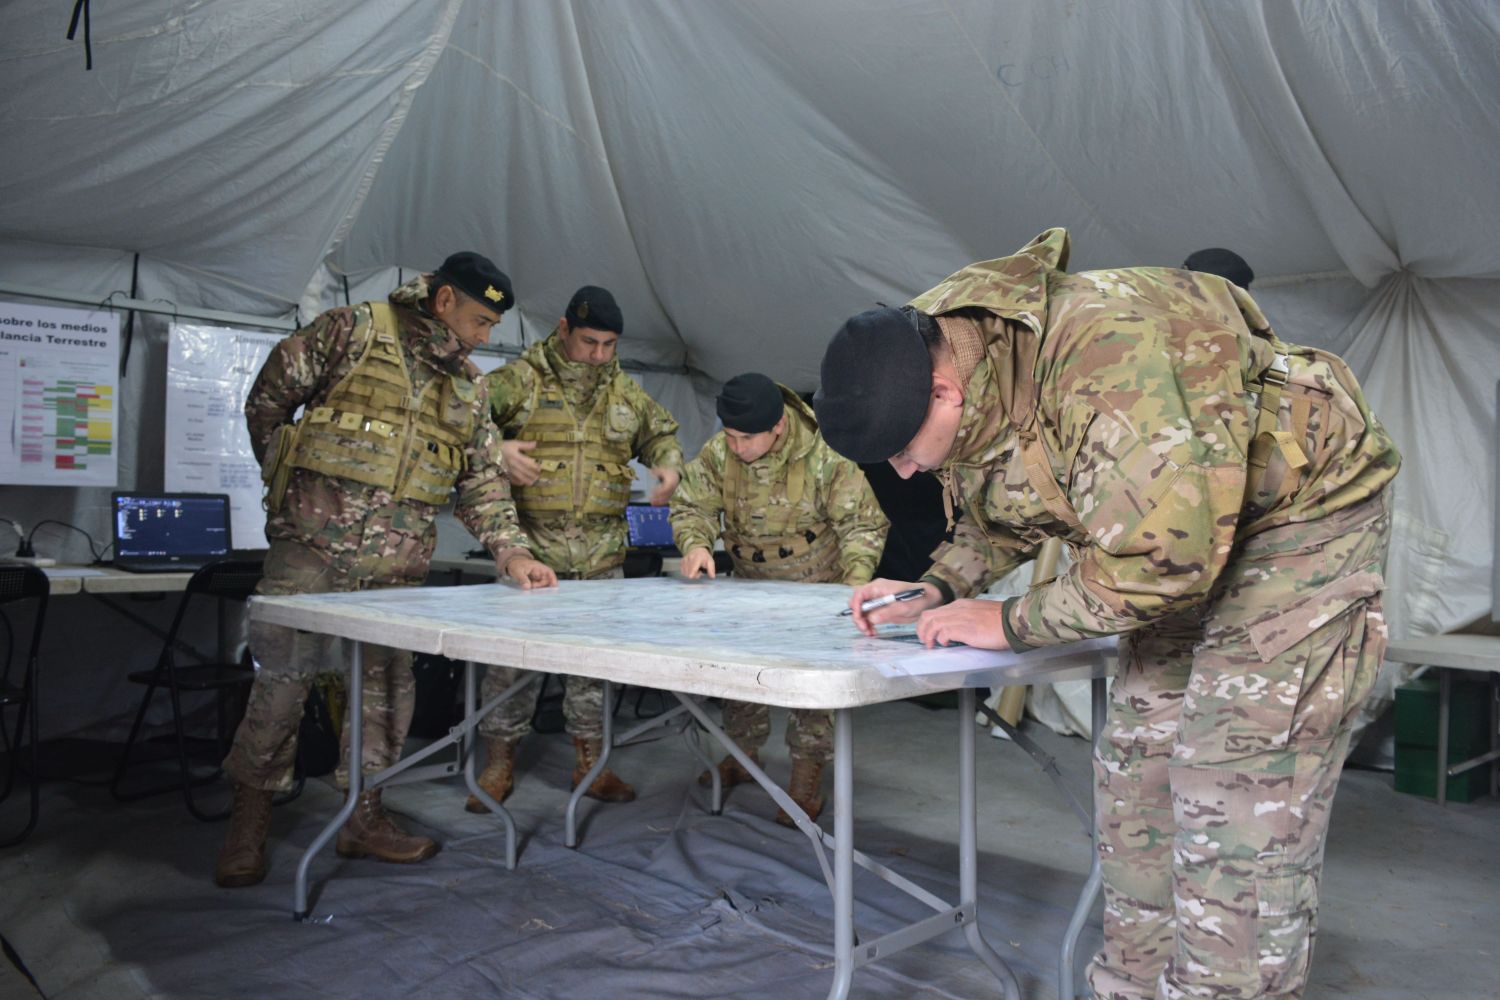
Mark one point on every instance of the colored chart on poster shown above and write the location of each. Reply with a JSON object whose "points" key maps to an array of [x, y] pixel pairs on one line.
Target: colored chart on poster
{"points": [[58, 396]]}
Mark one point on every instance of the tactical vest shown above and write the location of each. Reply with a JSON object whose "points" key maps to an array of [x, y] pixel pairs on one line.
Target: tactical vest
{"points": [[585, 462], [369, 429], [787, 541]]}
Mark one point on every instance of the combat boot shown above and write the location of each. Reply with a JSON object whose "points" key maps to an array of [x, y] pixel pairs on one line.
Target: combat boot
{"points": [[805, 788], [242, 859], [731, 772], [607, 787], [371, 833], [498, 777]]}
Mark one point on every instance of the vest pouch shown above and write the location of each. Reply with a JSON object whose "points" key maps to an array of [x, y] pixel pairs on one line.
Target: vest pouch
{"points": [[620, 423], [276, 470]]}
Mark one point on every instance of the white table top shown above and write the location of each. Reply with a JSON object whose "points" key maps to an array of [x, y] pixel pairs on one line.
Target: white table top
{"points": [[68, 579], [1462, 652], [770, 642]]}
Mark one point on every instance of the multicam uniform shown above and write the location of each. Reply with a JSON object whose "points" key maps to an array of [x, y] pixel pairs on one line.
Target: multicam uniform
{"points": [[1235, 531], [800, 512], [589, 422], [393, 421]]}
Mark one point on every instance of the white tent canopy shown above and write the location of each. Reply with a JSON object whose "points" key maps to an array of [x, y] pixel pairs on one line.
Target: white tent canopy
{"points": [[745, 175]]}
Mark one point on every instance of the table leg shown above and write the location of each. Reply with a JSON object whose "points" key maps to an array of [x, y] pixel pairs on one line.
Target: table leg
{"points": [[1099, 705], [1445, 693], [466, 751], [570, 831], [695, 744], [968, 850], [843, 852], [355, 725]]}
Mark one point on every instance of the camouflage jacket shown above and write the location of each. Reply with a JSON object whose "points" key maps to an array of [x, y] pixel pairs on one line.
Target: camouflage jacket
{"points": [[1139, 383], [365, 536], [835, 495], [597, 545]]}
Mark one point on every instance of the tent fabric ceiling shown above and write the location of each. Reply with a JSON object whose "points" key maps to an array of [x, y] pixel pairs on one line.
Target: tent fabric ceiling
{"points": [[744, 175]]}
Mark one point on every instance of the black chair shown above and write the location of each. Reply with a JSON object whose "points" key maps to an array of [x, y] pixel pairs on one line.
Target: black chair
{"points": [[22, 583], [226, 580]]}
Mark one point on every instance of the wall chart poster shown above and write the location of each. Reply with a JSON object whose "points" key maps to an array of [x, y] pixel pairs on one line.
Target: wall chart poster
{"points": [[209, 371], [59, 382]]}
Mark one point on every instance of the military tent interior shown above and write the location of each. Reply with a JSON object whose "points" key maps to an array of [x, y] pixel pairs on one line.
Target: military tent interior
{"points": [[743, 176]]}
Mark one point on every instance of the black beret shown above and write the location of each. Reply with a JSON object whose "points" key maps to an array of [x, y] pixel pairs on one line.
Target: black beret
{"points": [[1225, 263], [477, 276], [750, 403], [595, 308], [876, 381]]}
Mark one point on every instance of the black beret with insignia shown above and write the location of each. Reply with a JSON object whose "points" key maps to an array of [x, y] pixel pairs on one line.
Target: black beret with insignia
{"points": [[750, 403], [477, 277], [876, 382], [595, 308]]}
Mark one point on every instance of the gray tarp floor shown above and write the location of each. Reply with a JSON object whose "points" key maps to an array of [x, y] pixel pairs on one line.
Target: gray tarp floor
{"points": [[663, 900]]}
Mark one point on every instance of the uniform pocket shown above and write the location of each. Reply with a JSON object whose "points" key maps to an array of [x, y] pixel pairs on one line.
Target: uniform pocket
{"points": [[1286, 914], [1280, 680]]}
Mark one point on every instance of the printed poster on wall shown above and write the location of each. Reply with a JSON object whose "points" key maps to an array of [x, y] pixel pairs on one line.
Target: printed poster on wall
{"points": [[209, 372], [59, 382]]}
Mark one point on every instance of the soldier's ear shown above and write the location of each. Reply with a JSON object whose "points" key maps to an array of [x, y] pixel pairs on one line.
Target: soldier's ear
{"points": [[946, 391]]}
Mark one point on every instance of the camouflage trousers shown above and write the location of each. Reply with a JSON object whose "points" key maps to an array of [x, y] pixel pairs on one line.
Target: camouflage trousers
{"points": [[1226, 736], [809, 731], [287, 662], [583, 698]]}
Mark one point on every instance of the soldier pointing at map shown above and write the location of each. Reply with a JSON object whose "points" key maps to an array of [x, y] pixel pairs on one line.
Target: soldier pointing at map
{"points": [[393, 426]]}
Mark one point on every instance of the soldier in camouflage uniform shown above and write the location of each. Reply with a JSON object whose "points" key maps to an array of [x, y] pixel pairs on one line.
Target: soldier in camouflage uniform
{"points": [[791, 509], [572, 421], [392, 423], [1225, 496]]}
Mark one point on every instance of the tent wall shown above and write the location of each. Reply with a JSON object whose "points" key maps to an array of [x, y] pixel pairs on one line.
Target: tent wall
{"points": [[743, 176]]}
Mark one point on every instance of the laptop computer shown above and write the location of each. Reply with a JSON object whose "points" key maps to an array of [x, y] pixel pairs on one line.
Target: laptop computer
{"points": [[649, 527], [169, 532]]}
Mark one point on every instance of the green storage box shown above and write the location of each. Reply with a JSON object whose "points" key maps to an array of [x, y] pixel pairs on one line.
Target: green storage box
{"points": [[1468, 716], [1416, 774]]}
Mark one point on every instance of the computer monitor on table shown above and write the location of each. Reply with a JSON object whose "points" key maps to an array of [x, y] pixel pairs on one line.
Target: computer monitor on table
{"points": [[166, 532], [649, 527]]}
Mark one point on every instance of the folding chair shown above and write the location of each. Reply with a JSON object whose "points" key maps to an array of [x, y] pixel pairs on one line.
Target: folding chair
{"points": [[22, 583], [225, 580]]}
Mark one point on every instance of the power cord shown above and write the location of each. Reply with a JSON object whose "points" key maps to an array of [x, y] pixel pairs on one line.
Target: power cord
{"points": [[27, 551]]}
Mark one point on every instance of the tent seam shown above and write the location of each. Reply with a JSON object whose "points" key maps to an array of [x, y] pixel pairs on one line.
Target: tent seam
{"points": [[393, 125]]}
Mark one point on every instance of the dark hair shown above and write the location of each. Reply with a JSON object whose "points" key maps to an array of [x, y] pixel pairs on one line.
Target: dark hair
{"points": [[927, 329]]}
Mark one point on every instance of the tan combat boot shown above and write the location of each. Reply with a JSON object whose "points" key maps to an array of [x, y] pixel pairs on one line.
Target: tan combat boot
{"points": [[607, 787], [498, 777], [805, 788], [731, 772], [371, 833], [242, 859]]}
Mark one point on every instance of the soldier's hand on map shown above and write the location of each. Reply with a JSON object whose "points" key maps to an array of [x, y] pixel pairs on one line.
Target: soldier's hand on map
{"points": [[892, 614], [695, 562], [520, 468], [973, 623], [666, 484], [530, 573]]}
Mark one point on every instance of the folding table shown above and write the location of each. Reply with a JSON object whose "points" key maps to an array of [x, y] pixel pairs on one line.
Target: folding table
{"points": [[769, 642]]}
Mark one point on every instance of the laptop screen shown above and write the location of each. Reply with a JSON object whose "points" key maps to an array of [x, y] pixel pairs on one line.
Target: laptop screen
{"points": [[171, 527], [649, 527]]}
